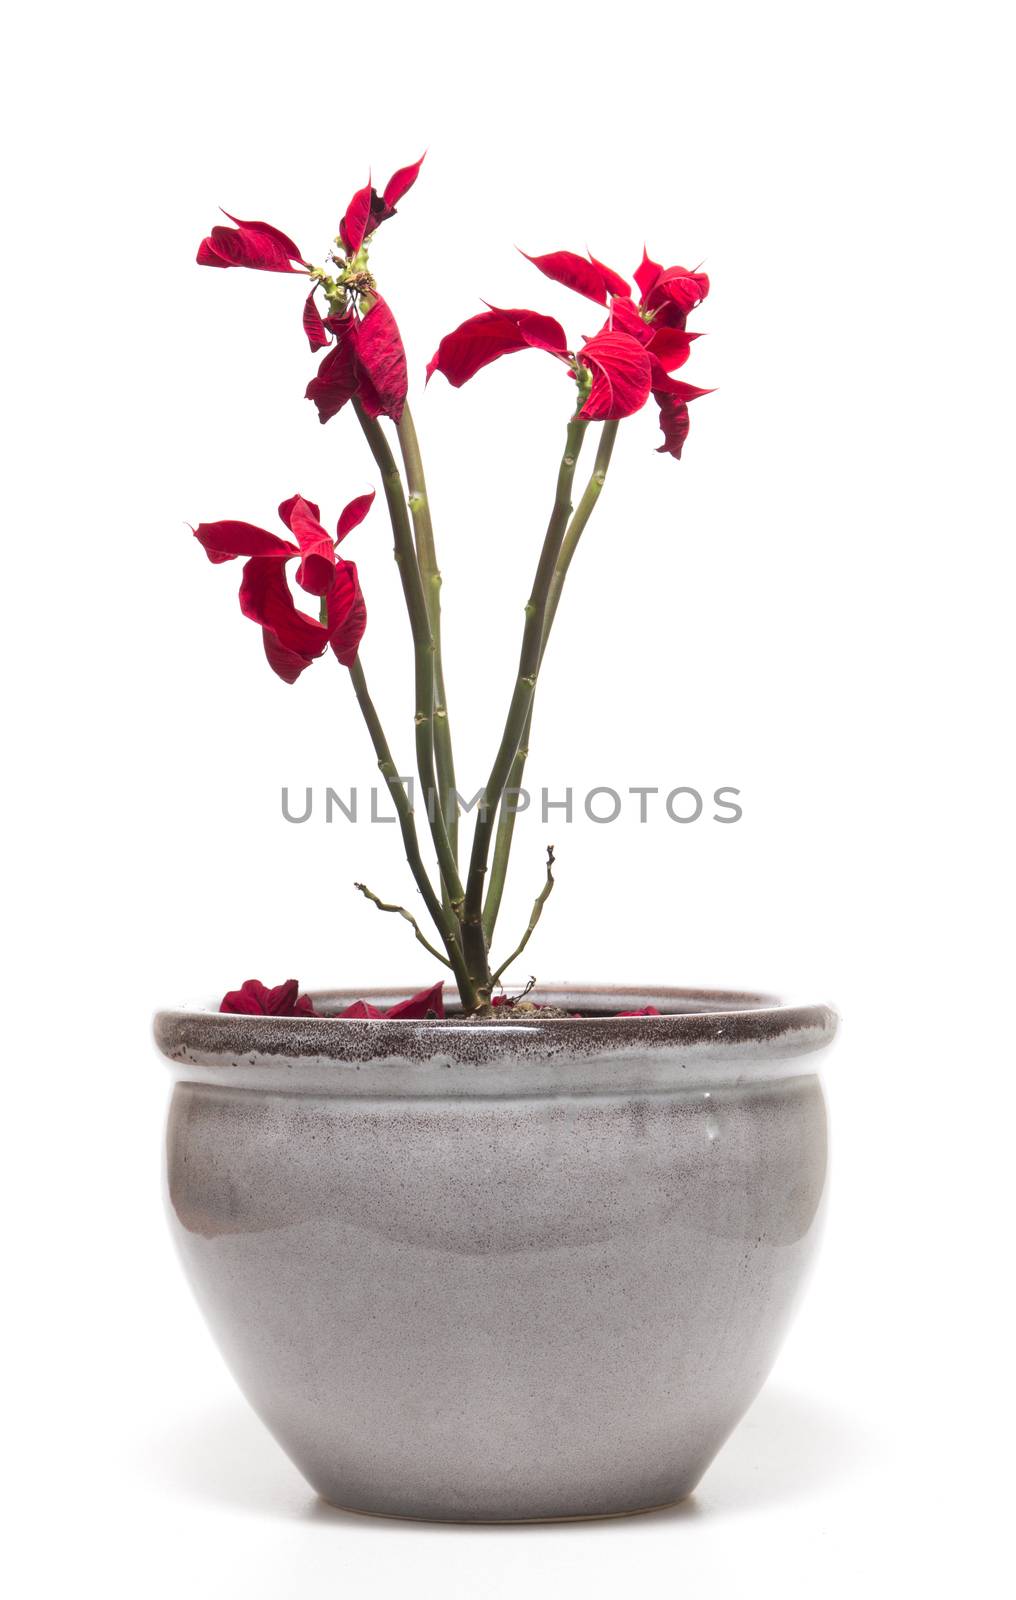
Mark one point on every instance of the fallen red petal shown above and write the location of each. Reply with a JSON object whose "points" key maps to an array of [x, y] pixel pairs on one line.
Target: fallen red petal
{"points": [[429, 1002], [254, 999]]}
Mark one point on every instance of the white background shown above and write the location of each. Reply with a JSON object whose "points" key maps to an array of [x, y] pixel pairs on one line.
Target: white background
{"points": [[814, 606]]}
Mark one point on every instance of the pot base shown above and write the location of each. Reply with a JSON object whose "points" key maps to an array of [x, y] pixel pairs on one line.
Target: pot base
{"points": [[508, 1522]]}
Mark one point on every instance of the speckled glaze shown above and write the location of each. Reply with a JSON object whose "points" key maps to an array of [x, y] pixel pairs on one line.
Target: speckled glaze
{"points": [[500, 1272]]}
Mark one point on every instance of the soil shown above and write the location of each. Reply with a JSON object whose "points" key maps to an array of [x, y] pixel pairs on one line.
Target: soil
{"points": [[524, 1008]]}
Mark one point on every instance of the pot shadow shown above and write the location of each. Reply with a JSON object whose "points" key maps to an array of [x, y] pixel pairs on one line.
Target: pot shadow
{"points": [[787, 1448]]}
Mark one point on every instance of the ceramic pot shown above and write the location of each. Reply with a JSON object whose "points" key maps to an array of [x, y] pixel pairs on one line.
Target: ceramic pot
{"points": [[507, 1271]]}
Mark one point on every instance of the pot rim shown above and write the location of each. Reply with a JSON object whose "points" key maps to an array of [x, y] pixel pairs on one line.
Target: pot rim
{"points": [[724, 1033]]}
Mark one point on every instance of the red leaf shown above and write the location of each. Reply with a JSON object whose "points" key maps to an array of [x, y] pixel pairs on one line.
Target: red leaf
{"points": [[265, 599], [224, 541], [684, 289], [647, 1011], [266, 231], [674, 421], [353, 226], [646, 274], [317, 548], [361, 1009], [663, 383], [250, 244], [208, 256], [492, 334], [669, 344], [347, 613], [538, 331], [626, 318], [400, 183], [613, 281], [381, 360], [671, 347], [313, 327], [575, 272], [287, 507], [475, 343], [336, 380], [354, 513], [621, 376], [672, 397], [286, 664], [666, 314]]}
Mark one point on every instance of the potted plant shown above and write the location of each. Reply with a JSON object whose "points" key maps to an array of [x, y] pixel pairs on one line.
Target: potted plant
{"points": [[528, 1256]]}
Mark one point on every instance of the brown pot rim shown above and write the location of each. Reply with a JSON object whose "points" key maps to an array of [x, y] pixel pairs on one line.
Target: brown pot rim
{"points": [[705, 1027]]}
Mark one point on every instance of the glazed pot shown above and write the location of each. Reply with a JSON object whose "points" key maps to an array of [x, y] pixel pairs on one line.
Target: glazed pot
{"points": [[505, 1271]]}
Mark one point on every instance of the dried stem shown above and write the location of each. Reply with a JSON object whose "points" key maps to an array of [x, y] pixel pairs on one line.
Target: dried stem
{"points": [[384, 905], [534, 918]]}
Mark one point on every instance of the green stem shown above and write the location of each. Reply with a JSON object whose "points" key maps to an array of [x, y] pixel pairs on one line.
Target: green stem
{"points": [[534, 916], [419, 506], [423, 647], [506, 820], [473, 940], [441, 917]]}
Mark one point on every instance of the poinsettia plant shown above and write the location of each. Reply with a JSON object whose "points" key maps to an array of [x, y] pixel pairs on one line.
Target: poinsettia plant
{"points": [[612, 374]]}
